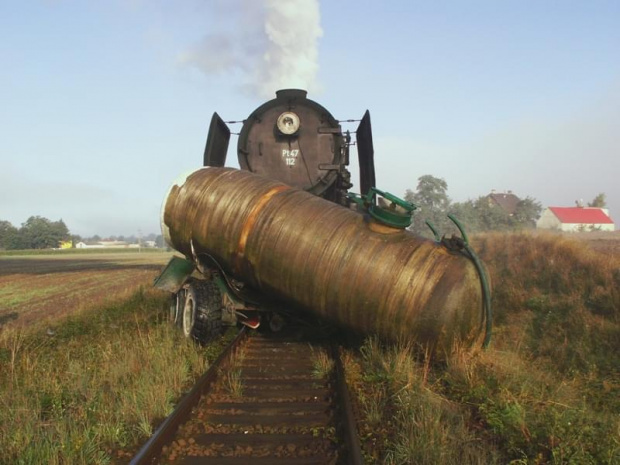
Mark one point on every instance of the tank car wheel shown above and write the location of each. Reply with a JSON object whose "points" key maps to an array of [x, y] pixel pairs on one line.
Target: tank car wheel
{"points": [[202, 312]]}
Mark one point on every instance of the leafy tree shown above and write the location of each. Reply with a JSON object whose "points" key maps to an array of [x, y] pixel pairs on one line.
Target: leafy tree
{"points": [[8, 235], [482, 215], [467, 214], [600, 201], [477, 215], [526, 213], [491, 217], [432, 201], [40, 233]]}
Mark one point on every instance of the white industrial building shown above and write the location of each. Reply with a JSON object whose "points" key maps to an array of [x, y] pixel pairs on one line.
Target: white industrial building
{"points": [[575, 219], [106, 245]]}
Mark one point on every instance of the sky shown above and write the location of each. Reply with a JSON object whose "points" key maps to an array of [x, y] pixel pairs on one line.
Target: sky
{"points": [[104, 104]]}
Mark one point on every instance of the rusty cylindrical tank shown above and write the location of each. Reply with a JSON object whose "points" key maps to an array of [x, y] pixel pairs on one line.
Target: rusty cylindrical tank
{"points": [[325, 258]]}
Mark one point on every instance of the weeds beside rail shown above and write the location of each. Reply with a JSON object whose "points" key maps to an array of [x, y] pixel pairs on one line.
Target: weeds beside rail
{"points": [[95, 386]]}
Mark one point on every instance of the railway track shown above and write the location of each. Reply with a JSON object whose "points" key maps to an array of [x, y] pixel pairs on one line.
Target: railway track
{"points": [[268, 399]]}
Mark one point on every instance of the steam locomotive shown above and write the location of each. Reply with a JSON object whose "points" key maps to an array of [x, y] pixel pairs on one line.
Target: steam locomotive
{"points": [[283, 237], [297, 141]]}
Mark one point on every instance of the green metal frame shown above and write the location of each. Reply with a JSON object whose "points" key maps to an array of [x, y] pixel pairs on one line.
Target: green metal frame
{"points": [[398, 215], [174, 275]]}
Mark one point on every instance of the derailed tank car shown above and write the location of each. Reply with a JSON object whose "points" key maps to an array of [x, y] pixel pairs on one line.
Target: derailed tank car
{"points": [[282, 238]]}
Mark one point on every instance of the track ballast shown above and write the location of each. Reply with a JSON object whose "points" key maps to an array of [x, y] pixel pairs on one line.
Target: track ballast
{"points": [[277, 399]]}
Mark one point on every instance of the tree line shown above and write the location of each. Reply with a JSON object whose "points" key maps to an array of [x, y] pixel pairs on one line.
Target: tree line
{"points": [[36, 233], [133, 239], [41, 233], [430, 197], [476, 215]]}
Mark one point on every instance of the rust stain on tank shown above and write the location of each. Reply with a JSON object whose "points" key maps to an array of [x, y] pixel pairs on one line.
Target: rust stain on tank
{"points": [[249, 223]]}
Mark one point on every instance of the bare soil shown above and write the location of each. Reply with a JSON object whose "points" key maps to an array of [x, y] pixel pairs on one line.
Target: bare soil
{"points": [[34, 289]]}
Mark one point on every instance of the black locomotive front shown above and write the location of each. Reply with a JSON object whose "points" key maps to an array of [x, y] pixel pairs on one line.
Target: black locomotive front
{"points": [[297, 141]]}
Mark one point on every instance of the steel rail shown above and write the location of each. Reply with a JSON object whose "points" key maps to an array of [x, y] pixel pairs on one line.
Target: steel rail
{"points": [[166, 431], [349, 427]]}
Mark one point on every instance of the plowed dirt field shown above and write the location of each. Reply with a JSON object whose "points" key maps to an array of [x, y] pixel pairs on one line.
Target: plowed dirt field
{"points": [[36, 288]]}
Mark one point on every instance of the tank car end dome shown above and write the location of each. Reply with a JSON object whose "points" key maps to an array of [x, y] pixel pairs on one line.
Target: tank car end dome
{"points": [[178, 182]]}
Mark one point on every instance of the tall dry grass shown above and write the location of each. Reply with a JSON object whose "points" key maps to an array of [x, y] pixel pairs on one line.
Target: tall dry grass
{"points": [[93, 384], [559, 297], [406, 419], [548, 389]]}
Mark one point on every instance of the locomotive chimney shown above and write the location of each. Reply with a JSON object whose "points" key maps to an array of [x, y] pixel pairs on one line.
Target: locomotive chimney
{"points": [[291, 94]]}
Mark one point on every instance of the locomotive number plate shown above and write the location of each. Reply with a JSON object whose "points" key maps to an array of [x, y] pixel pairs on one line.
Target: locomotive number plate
{"points": [[290, 156]]}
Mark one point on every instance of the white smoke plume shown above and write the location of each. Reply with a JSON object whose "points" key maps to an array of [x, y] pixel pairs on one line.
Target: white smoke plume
{"points": [[272, 43]]}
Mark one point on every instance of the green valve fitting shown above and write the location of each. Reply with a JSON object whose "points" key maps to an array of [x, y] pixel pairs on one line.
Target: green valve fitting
{"points": [[398, 214]]}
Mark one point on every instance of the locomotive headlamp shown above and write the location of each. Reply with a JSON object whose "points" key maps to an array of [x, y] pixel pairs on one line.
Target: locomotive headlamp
{"points": [[288, 123]]}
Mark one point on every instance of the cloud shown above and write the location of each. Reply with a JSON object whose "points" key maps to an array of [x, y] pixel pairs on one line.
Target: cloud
{"points": [[272, 44]]}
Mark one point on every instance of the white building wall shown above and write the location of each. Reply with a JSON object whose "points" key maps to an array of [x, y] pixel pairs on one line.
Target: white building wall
{"points": [[582, 227], [570, 227], [548, 221]]}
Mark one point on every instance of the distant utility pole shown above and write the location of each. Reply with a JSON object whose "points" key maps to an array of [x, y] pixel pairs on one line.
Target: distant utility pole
{"points": [[139, 240]]}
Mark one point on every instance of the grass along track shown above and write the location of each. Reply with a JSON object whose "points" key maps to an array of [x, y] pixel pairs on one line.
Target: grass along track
{"points": [[91, 363], [90, 392], [547, 391]]}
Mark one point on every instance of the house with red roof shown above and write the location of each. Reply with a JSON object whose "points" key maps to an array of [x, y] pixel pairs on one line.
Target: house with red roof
{"points": [[576, 219]]}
